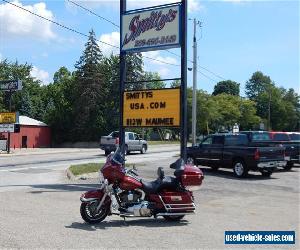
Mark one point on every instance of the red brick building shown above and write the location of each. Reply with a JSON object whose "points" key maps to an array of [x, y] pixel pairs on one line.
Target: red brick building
{"points": [[33, 134]]}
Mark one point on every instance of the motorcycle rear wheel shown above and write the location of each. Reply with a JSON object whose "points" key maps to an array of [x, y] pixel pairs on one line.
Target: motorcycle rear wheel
{"points": [[88, 214], [173, 217]]}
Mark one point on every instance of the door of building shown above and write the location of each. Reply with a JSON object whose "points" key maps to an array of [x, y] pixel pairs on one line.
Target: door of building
{"points": [[24, 141]]}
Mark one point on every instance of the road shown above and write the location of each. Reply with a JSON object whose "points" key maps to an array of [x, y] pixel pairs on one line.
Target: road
{"points": [[40, 207], [47, 166]]}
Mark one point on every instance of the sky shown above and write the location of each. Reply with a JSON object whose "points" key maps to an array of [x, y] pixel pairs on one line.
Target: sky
{"points": [[236, 39]]}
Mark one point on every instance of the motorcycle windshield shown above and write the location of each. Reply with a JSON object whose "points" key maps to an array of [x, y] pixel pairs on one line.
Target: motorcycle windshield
{"points": [[118, 157]]}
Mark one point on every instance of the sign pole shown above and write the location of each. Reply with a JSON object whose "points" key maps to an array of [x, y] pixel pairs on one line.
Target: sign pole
{"points": [[183, 127], [122, 80], [8, 133]]}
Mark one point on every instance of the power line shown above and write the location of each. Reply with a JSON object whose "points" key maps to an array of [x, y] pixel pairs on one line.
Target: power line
{"points": [[85, 35], [80, 33], [170, 52], [207, 76], [92, 12], [157, 60], [211, 72], [56, 23]]}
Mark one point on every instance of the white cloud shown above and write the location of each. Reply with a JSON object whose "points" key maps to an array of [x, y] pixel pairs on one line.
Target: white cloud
{"points": [[16, 22], [0, 56], [159, 59], [193, 5], [239, 1], [112, 39], [159, 64], [164, 72], [40, 74]]}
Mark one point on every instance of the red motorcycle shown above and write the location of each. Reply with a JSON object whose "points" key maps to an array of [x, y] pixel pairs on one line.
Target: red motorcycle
{"points": [[123, 193]]}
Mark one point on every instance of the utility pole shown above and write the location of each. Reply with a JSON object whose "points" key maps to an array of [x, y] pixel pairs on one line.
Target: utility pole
{"points": [[194, 103], [269, 113]]}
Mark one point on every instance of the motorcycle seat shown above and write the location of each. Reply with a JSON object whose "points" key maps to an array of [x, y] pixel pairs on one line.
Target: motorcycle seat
{"points": [[156, 186]]}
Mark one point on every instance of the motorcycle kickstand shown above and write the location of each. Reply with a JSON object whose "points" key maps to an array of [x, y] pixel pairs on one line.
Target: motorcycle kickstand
{"points": [[124, 220]]}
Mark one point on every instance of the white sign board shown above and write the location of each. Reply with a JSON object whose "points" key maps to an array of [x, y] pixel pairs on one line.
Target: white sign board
{"points": [[11, 85], [4, 128], [151, 29], [236, 128], [3, 145]]}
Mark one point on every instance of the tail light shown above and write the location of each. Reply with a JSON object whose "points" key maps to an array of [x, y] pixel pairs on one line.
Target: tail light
{"points": [[256, 155], [117, 140]]}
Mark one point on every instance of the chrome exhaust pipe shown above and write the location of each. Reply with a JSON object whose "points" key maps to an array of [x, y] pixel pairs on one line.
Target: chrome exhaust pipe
{"points": [[175, 214]]}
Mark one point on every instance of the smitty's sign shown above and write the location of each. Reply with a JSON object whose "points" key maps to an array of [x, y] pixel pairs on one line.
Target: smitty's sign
{"points": [[152, 108], [151, 29]]}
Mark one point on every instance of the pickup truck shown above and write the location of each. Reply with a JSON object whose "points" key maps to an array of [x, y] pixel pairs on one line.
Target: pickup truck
{"points": [[233, 151], [288, 140], [132, 143]]}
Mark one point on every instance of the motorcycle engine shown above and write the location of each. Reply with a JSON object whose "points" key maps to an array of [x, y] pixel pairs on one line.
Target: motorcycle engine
{"points": [[134, 203], [128, 198]]}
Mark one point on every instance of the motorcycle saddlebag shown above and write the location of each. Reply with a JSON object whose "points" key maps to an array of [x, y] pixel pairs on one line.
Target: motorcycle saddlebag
{"points": [[177, 202], [191, 176]]}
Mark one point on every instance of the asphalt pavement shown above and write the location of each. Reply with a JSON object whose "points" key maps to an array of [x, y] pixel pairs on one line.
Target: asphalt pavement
{"points": [[43, 211]]}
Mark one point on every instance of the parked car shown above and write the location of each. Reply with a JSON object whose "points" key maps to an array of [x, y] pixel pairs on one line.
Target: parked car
{"points": [[294, 136], [234, 151], [282, 139], [292, 146], [133, 142]]}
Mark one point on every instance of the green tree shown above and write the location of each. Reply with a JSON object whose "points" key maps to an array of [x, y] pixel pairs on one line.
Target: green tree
{"points": [[134, 71], [89, 78], [284, 108], [154, 81], [175, 84], [248, 119], [26, 104], [257, 84], [111, 89], [28, 101], [60, 96], [227, 87]]}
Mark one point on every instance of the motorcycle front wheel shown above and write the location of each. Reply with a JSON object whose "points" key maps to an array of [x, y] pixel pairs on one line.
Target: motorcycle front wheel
{"points": [[89, 214], [173, 217]]}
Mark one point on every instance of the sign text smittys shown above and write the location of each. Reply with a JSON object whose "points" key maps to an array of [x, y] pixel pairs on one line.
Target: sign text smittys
{"points": [[151, 29]]}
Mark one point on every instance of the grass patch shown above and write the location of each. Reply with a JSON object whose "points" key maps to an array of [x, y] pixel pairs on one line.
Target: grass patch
{"points": [[163, 142], [85, 168], [91, 168]]}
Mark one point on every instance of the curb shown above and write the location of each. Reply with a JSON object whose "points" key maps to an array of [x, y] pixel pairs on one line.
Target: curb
{"points": [[70, 175], [25, 153], [73, 177]]}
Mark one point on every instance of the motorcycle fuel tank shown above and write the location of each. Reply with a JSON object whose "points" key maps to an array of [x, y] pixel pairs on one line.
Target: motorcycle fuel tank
{"points": [[130, 183]]}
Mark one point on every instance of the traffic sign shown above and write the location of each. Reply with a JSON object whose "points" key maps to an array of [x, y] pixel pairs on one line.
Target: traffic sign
{"points": [[8, 117], [11, 85], [152, 108]]}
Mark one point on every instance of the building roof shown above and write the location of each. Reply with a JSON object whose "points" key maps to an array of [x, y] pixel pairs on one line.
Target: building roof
{"points": [[25, 120]]}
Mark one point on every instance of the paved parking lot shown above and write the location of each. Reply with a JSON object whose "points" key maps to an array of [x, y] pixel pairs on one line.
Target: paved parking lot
{"points": [[47, 216]]}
